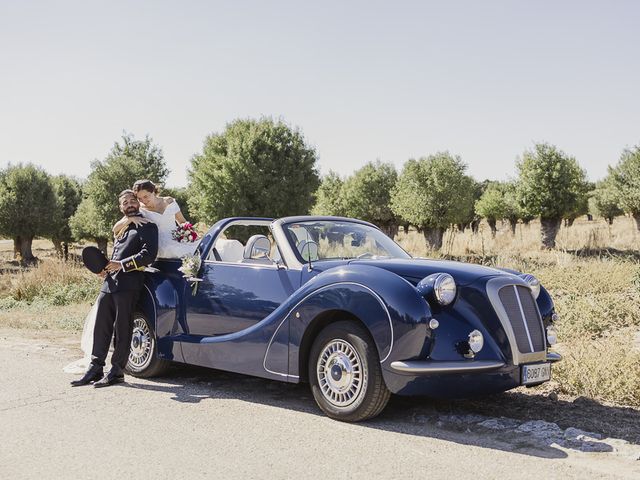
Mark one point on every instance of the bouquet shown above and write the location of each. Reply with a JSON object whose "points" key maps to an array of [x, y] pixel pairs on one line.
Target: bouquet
{"points": [[184, 233], [190, 268]]}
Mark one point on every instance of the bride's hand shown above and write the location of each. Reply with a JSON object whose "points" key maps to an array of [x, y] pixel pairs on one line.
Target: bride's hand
{"points": [[137, 221]]}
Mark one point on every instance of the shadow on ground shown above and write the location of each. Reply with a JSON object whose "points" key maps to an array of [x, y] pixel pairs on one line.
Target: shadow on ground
{"points": [[457, 420]]}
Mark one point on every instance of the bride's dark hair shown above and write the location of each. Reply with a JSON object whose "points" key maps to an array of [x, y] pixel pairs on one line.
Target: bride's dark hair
{"points": [[147, 185]]}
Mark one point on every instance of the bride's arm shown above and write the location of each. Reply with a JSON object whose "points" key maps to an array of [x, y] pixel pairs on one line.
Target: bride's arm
{"points": [[179, 216], [125, 221], [120, 224]]}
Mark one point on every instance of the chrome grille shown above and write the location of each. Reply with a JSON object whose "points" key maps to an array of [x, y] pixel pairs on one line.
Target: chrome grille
{"points": [[524, 318]]}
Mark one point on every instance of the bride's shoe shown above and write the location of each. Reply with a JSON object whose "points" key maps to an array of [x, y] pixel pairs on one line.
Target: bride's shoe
{"points": [[93, 375]]}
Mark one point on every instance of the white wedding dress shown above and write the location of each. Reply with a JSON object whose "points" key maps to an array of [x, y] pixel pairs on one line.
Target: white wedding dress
{"points": [[167, 248]]}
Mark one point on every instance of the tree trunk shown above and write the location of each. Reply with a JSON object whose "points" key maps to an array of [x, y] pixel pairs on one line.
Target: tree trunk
{"points": [[26, 255], [433, 237], [636, 217], [492, 226], [390, 230], [475, 226], [17, 241], [570, 222], [57, 244], [589, 217], [102, 245], [65, 251], [549, 228], [610, 220], [406, 228], [513, 223]]}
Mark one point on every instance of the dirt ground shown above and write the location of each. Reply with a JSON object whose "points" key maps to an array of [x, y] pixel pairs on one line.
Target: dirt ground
{"points": [[201, 423]]}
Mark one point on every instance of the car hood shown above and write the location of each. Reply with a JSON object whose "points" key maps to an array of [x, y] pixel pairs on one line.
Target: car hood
{"points": [[415, 269]]}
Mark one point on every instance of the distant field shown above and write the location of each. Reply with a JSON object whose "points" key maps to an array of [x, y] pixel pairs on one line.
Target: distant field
{"points": [[593, 276]]}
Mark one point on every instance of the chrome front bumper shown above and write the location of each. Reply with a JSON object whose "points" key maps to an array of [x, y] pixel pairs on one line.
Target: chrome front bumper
{"points": [[426, 367]]}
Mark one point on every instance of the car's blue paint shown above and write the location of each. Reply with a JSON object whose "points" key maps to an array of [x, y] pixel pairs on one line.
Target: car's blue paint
{"points": [[416, 269], [261, 319]]}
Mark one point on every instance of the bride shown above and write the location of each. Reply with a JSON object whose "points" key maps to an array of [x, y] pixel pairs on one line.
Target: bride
{"points": [[164, 212]]}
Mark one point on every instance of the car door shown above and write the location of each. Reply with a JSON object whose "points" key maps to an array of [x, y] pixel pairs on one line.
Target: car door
{"points": [[234, 296]]}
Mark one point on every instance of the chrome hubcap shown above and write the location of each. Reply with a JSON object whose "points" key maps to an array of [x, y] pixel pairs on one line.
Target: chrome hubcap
{"points": [[339, 372], [141, 344]]}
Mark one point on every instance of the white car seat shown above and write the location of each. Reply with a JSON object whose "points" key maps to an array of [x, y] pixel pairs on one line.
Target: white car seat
{"points": [[229, 250], [257, 250]]}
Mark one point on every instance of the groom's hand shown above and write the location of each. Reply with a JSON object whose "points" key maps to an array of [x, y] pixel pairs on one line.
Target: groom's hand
{"points": [[113, 266]]}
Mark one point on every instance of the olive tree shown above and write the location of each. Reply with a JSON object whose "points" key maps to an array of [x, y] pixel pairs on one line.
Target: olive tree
{"points": [[513, 209], [492, 205], [255, 167], [88, 224], [433, 193], [367, 194], [550, 185], [27, 207], [471, 218], [581, 207], [329, 196], [605, 200], [129, 160], [68, 195], [626, 178]]}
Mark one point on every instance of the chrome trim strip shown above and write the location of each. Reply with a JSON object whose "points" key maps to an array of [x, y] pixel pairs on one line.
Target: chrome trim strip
{"points": [[553, 357], [493, 287], [264, 360], [435, 367], [524, 319], [155, 313], [270, 266]]}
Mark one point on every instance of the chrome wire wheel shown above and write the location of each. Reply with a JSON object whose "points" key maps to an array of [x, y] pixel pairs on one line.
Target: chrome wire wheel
{"points": [[141, 344], [340, 373]]}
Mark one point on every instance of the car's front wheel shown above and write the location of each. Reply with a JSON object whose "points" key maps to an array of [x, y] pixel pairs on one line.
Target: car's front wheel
{"points": [[143, 355], [345, 374]]}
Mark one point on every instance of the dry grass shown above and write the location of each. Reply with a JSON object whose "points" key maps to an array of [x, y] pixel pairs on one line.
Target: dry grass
{"points": [[52, 295], [53, 282], [583, 238], [593, 276], [39, 316]]}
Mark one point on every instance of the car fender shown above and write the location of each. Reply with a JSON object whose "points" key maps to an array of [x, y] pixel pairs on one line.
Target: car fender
{"points": [[389, 307], [159, 301]]}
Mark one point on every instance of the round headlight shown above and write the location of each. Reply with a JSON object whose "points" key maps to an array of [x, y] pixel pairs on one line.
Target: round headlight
{"points": [[533, 283], [476, 341], [444, 288], [552, 335]]}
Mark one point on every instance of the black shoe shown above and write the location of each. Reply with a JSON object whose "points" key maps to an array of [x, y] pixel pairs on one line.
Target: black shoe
{"points": [[109, 379], [94, 373]]}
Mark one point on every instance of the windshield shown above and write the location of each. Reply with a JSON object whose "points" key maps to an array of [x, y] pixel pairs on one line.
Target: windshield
{"points": [[330, 240]]}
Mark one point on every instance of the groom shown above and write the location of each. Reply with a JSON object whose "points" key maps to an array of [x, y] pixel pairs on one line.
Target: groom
{"points": [[133, 249]]}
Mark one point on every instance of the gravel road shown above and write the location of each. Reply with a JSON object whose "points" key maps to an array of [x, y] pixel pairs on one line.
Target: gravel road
{"points": [[199, 423]]}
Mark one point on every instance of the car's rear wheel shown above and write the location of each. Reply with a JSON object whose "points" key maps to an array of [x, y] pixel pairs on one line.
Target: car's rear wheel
{"points": [[345, 374], [143, 356]]}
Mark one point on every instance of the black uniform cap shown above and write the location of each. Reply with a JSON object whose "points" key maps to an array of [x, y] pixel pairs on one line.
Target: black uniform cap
{"points": [[94, 259]]}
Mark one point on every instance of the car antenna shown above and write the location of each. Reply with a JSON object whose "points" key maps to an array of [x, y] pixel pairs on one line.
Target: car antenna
{"points": [[308, 245]]}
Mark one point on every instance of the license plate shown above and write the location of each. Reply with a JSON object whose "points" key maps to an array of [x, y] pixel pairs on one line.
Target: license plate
{"points": [[540, 372]]}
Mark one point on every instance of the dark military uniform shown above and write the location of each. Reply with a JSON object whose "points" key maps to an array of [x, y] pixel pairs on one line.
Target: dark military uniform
{"points": [[135, 248]]}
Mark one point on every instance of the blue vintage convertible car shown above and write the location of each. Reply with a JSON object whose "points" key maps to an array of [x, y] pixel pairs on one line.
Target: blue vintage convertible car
{"points": [[336, 303]]}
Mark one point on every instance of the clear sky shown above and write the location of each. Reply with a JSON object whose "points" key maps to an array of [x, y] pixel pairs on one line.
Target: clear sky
{"points": [[363, 80]]}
